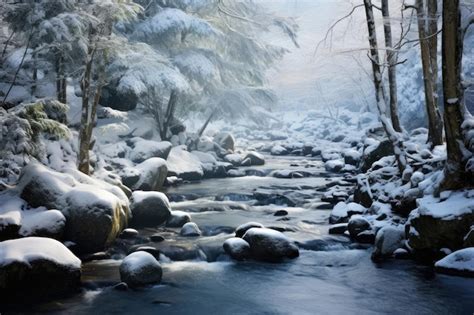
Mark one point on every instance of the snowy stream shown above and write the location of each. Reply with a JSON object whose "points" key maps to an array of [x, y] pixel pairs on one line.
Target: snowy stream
{"points": [[331, 276]]}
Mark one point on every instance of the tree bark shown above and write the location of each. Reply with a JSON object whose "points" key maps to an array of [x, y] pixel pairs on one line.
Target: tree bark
{"points": [[169, 116], [455, 174], [394, 137], [84, 139], [392, 73], [429, 59]]}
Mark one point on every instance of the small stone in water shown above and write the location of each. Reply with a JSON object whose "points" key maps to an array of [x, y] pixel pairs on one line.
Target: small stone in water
{"points": [[128, 233], [149, 249], [157, 238], [280, 213]]}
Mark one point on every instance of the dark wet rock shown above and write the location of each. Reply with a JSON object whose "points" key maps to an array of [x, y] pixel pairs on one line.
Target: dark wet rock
{"points": [[35, 268], [280, 213], [128, 233], [365, 237], [338, 228], [114, 98], [178, 219], [182, 197], [235, 197], [334, 165], [388, 239], [266, 198], [381, 217], [190, 229], [307, 149], [253, 172], [358, 224], [246, 162], [95, 256], [149, 208], [241, 229], [157, 238], [351, 157], [140, 269], [255, 158], [428, 234], [362, 196], [270, 245], [385, 148], [237, 248], [316, 152], [122, 286]]}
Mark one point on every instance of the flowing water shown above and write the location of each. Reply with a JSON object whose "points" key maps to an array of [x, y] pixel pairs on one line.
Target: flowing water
{"points": [[331, 276]]}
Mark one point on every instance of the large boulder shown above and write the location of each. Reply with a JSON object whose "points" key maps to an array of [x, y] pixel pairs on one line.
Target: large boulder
{"points": [[438, 223], [375, 152], [459, 263], [388, 239], [148, 175], [278, 150], [96, 212], [146, 149], [241, 229], [139, 269], [226, 140], [93, 220], [112, 97], [237, 248], [183, 164], [37, 268], [357, 225], [149, 208], [270, 245]]}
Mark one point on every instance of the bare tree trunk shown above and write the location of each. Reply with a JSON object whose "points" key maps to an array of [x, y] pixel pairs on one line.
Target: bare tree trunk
{"points": [[201, 131], [455, 174], [392, 73], [84, 139], [35, 75], [428, 46], [169, 116], [60, 79], [393, 136]]}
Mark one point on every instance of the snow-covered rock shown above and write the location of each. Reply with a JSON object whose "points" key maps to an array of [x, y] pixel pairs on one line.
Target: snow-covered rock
{"points": [[226, 140], [459, 263], [149, 208], [441, 223], [237, 248], [190, 229], [96, 212], [178, 219], [255, 158], [278, 150], [358, 224], [388, 239], [148, 175], [351, 156], [241, 229], [139, 269], [49, 223], [342, 211], [146, 149], [270, 245], [234, 158], [36, 267], [334, 165], [183, 164]]}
